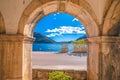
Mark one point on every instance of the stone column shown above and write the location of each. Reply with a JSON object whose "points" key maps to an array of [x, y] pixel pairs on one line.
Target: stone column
{"points": [[110, 58], [15, 57], [104, 58], [93, 60]]}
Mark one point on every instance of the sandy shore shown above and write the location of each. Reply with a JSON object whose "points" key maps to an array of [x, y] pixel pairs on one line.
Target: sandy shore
{"points": [[52, 60]]}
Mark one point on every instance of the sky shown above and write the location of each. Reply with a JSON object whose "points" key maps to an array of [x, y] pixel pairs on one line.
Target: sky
{"points": [[60, 27]]}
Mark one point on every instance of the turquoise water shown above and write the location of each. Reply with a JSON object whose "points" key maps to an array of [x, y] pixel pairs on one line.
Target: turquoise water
{"points": [[50, 47]]}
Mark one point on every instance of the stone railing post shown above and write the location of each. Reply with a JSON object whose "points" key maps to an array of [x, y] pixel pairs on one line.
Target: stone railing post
{"points": [[15, 57], [104, 58]]}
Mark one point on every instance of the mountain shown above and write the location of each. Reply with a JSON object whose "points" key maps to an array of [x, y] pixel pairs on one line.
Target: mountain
{"points": [[82, 37], [39, 38]]}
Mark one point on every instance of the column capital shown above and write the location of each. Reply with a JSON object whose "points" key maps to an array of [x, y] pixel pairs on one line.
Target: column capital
{"points": [[104, 39], [17, 38]]}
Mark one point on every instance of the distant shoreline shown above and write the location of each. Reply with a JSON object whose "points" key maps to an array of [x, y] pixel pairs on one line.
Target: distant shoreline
{"points": [[43, 52]]}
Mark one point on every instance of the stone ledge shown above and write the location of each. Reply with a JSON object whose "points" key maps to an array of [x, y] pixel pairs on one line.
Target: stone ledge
{"points": [[16, 38], [104, 39]]}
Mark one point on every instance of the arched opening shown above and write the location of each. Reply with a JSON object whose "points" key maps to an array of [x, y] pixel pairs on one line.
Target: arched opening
{"points": [[35, 12], [58, 28], [59, 33], [31, 17]]}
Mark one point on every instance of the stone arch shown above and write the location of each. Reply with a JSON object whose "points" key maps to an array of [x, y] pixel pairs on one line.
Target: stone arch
{"points": [[112, 19], [115, 30], [40, 8], [2, 25]]}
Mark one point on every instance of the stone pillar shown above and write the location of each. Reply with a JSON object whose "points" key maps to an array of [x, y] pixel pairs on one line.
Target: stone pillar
{"points": [[93, 60], [110, 58], [15, 57], [104, 58]]}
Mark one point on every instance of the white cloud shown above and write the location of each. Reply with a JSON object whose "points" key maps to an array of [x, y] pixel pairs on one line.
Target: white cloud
{"points": [[65, 30], [53, 30], [75, 19], [53, 34], [82, 27]]}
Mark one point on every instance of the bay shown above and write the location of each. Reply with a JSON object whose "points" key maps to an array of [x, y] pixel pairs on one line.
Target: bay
{"points": [[48, 47]]}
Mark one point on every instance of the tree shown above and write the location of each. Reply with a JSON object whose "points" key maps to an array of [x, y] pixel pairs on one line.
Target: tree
{"points": [[79, 42], [59, 75]]}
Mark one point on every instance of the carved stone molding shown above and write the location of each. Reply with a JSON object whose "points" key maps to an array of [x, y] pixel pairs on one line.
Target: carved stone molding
{"points": [[17, 38], [104, 39]]}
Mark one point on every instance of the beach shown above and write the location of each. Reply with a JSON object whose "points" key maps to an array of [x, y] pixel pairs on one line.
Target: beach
{"points": [[59, 61]]}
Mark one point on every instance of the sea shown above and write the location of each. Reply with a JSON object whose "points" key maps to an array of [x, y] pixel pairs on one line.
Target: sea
{"points": [[50, 47]]}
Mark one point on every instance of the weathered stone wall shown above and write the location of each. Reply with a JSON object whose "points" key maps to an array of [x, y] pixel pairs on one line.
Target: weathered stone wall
{"points": [[111, 59], [43, 74]]}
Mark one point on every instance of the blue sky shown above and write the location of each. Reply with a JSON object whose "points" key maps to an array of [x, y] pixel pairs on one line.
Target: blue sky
{"points": [[60, 27]]}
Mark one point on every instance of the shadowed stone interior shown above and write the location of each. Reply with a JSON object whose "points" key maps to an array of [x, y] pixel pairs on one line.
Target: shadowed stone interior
{"points": [[115, 30]]}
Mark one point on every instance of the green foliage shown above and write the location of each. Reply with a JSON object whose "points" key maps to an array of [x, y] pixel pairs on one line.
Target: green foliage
{"points": [[59, 75], [82, 41]]}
